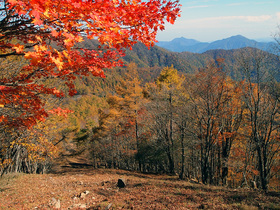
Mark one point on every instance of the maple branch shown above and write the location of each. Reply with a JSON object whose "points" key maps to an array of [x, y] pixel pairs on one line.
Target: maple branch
{"points": [[63, 137], [15, 53], [17, 83], [30, 75], [10, 54]]}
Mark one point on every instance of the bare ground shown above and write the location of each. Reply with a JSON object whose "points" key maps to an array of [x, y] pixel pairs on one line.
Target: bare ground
{"points": [[143, 191]]}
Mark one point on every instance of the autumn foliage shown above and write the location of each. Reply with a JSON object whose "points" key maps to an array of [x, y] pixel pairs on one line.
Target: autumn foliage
{"points": [[46, 34], [42, 51], [204, 127], [208, 127]]}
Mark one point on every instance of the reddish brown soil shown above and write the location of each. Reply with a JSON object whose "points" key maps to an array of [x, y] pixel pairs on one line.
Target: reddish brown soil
{"points": [[143, 191]]}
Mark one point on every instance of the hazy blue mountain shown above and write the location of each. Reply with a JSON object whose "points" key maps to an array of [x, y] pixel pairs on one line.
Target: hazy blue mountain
{"points": [[178, 44], [267, 39], [234, 42]]}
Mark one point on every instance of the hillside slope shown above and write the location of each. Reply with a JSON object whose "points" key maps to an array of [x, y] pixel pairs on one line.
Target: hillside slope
{"points": [[188, 62], [97, 189]]}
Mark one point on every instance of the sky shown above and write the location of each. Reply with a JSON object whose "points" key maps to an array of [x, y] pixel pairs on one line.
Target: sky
{"points": [[210, 20]]}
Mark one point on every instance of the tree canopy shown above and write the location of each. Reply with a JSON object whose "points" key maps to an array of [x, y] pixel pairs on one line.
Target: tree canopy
{"points": [[39, 42]]}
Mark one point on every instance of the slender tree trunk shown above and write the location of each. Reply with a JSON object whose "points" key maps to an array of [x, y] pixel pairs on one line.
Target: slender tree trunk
{"points": [[219, 177], [18, 159], [170, 159], [171, 150], [225, 155], [183, 153], [262, 168], [137, 141], [204, 166]]}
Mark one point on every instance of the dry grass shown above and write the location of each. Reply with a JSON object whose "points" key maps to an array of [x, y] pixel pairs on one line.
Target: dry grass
{"points": [[23, 191]]}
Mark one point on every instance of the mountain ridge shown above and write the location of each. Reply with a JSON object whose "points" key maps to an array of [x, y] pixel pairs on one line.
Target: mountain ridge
{"points": [[188, 62], [234, 42]]}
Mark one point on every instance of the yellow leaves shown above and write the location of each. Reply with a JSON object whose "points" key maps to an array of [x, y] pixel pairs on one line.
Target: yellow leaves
{"points": [[40, 48], [4, 163], [12, 144], [65, 53], [38, 38], [58, 62], [114, 112], [46, 13], [169, 77], [68, 42], [55, 91], [92, 68], [43, 48], [79, 39], [18, 48], [33, 56], [36, 144], [70, 39]]}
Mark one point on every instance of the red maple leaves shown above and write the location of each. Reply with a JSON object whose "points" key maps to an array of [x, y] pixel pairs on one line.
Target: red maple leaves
{"points": [[47, 34]]}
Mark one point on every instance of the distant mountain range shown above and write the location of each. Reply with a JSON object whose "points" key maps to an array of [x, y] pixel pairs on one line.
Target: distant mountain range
{"points": [[191, 45], [151, 61], [156, 58]]}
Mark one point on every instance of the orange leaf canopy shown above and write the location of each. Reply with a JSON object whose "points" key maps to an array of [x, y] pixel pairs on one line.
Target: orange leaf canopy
{"points": [[47, 33]]}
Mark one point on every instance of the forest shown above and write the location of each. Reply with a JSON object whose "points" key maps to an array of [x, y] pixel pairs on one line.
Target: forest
{"points": [[203, 126], [212, 118]]}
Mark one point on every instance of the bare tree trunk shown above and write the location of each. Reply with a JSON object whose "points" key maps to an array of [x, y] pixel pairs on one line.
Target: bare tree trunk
{"points": [[226, 145], [181, 176]]}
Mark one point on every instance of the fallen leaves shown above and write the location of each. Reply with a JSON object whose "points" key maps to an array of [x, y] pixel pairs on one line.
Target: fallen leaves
{"points": [[97, 189]]}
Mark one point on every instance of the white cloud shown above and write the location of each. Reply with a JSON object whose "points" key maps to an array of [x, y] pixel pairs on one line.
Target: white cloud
{"points": [[265, 2], [261, 18], [229, 20], [278, 15]]}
